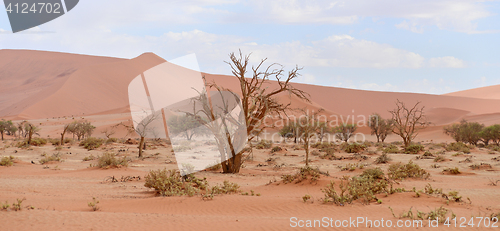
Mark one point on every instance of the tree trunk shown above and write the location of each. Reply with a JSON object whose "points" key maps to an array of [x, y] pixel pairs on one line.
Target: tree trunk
{"points": [[62, 135], [306, 147], [140, 146], [2, 134]]}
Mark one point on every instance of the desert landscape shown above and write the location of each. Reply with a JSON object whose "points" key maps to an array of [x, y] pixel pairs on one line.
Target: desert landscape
{"points": [[448, 170]]}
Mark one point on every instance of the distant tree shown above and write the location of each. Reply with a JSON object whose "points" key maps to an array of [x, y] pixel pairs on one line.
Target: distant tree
{"points": [[345, 131], [380, 127], [468, 132], [145, 127], [31, 130], [185, 125], [81, 129], [108, 132], [291, 130], [491, 133], [408, 121], [309, 127], [65, 129], [6, 127], [322, 131]]}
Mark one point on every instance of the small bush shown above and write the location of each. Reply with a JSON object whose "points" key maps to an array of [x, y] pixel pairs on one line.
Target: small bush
{"points": [[383, 159], [351, 167], [226, 188], [329, 154], [7, 161], [453, 171], [55, 157], [323, 145], [302, 175], [458, 146], [93, 204], [169, 183], [34, 142], [353, 148], [108, 160], [439, 159], [89, 158], [263, 144], [276, 149], [364, 187], [391, 149], [91, 143], [402, 171], [414, 148], [306, 197], [111, 140]]}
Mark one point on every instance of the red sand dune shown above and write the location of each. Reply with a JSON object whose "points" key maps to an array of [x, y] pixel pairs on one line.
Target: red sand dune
{"points": [[40, 84]]}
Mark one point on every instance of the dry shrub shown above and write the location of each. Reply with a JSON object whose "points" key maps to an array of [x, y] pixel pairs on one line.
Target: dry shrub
{"points": [[109, 160], [7, 161], [54, 157], [400, 171], [383, 159], [364, 186], [302, 175], [459, 147], [91, 143]]}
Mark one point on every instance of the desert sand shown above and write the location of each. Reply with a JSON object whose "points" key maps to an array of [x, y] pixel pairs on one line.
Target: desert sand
{"points": [[51, 89]]}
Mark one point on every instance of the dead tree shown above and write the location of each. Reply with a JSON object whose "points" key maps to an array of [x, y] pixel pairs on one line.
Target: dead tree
{"points": [[408, 121]]}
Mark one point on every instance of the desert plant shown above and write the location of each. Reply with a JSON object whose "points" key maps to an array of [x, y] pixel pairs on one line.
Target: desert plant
{"points": [[453, 171], [302, 175], [18, 205], [380, 127], [414, 148], [467, 132], [56, 157], [306, 197], [354, 148], [391, 149], [458, 146], [80, 129], [7, 161], [263, 144], [7, 127], [226, 188], [345, 131], [170, 183], [408, 121], [93, 204], [91, 143], [382, 159], [109, 160], [89, 158], [400, 171], [186, 126]]}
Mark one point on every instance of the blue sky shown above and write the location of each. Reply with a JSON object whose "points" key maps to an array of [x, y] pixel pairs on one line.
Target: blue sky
{"points": [[426, 46]]}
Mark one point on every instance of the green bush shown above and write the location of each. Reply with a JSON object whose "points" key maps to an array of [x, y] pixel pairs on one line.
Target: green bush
{"points": [[453, 171], [391, 149], [55, 157], [364, 187], [383, 159], [226, 188], [7, 161], [263, 144], [353, 148], [169, 183], [402, 171], [111, 140], [91, 143], [34, 142], [458, 146], [302, 175], [323, 145], [414, 148], [276, 149], [108, 160]]}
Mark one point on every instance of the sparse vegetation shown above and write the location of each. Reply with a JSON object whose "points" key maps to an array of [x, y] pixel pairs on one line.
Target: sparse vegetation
{"points": [[93, 204], [92, 143], [365, 187], [414, 149], [438, 213], [7, 161], [170, 183], [302, 175], [109, 160], [263, 144], [56, 157], [383, 159], [353, 148], [458, 146], [380, 127], [408, 121], [410, 170], [391, 149], [453, 171]]}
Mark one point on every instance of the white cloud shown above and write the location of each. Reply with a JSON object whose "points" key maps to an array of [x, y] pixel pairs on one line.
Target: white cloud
{"points": [[448, 61], [457, 15]]}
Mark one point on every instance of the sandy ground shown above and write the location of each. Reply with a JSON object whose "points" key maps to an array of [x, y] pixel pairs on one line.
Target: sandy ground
{"points": [[59, 191]]}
